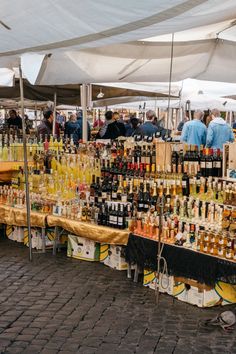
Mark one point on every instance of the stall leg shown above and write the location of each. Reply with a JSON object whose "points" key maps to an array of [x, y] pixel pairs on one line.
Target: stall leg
{"points": [[56, 239], [136, 273], [129, 275], [43, 240]]}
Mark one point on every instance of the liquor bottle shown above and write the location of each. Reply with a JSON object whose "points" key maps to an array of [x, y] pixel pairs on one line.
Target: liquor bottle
{"points": [[186, 158], [146, 197], [120, 217], [120, 189], [185, 183], [115, 216], [153, 158], [217, 164], [143, 156], [203, 163], [130, 196], [140, 204], [209, 162], [174, 160], [154, 197], [148, 156]]}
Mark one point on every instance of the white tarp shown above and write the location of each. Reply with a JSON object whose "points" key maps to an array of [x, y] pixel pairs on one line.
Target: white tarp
{"points": [[212, 60], [6, 77], [78, 37], [54, 24]]}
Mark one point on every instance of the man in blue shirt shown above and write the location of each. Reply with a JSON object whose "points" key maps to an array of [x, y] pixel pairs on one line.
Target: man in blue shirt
{"points": [[147, 128], [218, 132], [194, 132]]}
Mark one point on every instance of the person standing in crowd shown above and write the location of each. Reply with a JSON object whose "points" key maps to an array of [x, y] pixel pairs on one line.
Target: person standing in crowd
{"points": [[181, 124], [147, 128], [14, 119], [119, 123], [98, 123], [194, 132], [208, 119], [46, 126], [72, 127], [218, 132], [110, 129], [131, 127], [80, 122]]}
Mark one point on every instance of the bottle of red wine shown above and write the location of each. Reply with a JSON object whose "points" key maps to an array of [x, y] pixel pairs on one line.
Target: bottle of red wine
{"points": [[185, 183]]}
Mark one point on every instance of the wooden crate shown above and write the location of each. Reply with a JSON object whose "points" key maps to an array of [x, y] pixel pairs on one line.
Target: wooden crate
{"points": [[164, 152], [229, 158]]}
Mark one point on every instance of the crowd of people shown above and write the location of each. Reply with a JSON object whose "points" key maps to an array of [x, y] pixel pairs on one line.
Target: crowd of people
{"points": [[114, 126], [213, 132], [217, 133]]}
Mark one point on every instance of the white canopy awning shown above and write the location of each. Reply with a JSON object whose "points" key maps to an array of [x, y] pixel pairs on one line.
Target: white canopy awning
{"points": [[28, 25], [65, 42]]}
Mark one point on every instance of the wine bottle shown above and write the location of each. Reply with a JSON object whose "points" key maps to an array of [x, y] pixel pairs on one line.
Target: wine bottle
{"points": [[185, 183]]}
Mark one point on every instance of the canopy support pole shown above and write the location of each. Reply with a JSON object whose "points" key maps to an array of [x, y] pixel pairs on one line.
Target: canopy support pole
{"points": [[27, 194], [54, 114], [160, 258], [83, 99]]}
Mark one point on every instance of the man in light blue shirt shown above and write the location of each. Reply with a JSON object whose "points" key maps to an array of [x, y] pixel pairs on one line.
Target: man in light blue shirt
{"points": [[194, 132], [218, 132]]}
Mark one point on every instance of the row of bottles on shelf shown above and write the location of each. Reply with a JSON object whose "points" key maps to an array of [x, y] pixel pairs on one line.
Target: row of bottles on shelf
{"points": [[142, 195], [11, 148], [113, 187], [193, 160], [112, 214], [121, 157], [186, 234]]}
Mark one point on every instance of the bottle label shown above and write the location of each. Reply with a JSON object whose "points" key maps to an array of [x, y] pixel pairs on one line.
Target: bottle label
{"points": [[114, 195], [217, 164], [203, 164], [124, 198], [209, 164], [104, 195], [120, 220], [184, 184]]}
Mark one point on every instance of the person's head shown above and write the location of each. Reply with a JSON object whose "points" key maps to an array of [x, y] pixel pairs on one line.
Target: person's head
{"points": [[12, 113], [48, 115], [150, 115], [215, 113], [109, 115], [116, 116], [79, 114], [72, 117], [134, 122], [198, 114]]}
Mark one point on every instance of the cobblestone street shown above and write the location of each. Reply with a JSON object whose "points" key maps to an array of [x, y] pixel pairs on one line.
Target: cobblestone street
{"points": [[61, 305]]}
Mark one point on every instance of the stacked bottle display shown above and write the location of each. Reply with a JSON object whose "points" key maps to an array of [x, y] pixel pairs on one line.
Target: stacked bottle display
{"points": [[11, 147], [123, 185]]}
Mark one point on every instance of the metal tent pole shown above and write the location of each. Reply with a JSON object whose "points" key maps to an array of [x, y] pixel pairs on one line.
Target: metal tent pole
{"points": [[27, 194], [162, 202], [54, 114], [83, 100]]}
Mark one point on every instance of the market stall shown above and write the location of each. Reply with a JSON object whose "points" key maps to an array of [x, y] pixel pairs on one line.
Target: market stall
{"points": [[107, 198]]}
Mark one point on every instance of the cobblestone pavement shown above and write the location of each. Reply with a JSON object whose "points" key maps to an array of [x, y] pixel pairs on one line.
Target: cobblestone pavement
{"points": [[61, 305]]}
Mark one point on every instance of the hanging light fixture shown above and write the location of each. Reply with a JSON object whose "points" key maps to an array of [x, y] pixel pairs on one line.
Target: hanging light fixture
{"points": [[100, 94]]}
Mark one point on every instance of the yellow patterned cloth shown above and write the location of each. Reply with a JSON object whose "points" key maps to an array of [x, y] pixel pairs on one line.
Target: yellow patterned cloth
{"points": [[18, 217], [102, 234]]}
